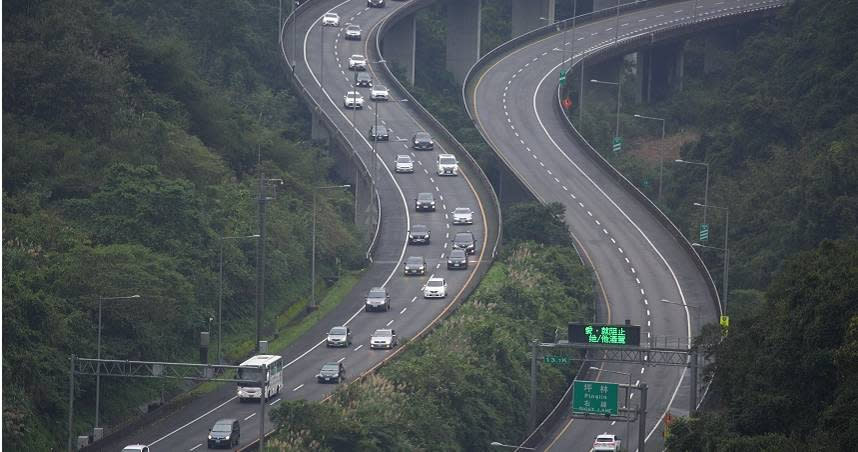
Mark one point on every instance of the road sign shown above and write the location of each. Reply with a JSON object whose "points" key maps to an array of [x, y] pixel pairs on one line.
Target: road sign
{"points": [[567, 103], [592, 333], [617, 144], [593, 397], [556, 359], [562, 78], [725, 324], [704, 232]]}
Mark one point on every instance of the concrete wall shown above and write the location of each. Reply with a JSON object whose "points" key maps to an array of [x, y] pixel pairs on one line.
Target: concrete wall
{"points": [[526, 15], [463, 37], [399, 43]]}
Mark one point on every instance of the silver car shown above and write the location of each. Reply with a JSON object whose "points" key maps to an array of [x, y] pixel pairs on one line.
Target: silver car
{"points": [[339, 336], [404, 164], [377, 300], [463, 215], [384, 338], [353, 32]]}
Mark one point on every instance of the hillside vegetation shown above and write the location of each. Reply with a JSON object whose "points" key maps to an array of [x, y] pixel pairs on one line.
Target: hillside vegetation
{"points": [[132, 133]]}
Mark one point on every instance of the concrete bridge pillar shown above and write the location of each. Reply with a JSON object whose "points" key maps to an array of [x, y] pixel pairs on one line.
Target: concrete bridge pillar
{"points": [[398, 46], [526, 15], [662, 70], [463, 37], [318, 131]]}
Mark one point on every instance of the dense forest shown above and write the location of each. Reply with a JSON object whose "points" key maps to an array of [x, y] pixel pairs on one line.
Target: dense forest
{"points": [[133, 137], [467, 383]]}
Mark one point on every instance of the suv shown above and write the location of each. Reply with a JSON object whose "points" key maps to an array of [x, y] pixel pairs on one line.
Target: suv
{"points": [[331, 373], [465, 241], [419, 234], [363, 80], [384, 338], [380, 133], [331, 20], [353, 32], [377, 300], [606, 442], [424, 201], [339, 336], [224, 432], [375, 3], [415, 265], [422, 140], [447, 165], [404, 164], [379, 92], [357, 63], [457, 259], [353, 99]]}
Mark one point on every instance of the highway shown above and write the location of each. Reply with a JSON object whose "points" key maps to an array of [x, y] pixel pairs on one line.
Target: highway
{"points": [[322, 61], [513, 99]]}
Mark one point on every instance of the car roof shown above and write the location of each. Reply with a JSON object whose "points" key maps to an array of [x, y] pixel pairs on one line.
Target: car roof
{"points": [[381, 331], [457, 252], [403, 156], [425, 195], [331, 14], [339, 328], [419, 226], [357, 56], [414, 259], [462, 209], [331, 364], [435, 278], [422, 134], [469, 234], [225, 421], [378, 289]]}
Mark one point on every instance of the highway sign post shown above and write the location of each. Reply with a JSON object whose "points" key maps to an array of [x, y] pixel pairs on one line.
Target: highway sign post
{"points": [[562, 78], [594, 397], [617, 144], [556, 359], [704, 232]]}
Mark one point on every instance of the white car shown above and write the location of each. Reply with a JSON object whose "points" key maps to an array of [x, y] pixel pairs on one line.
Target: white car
{"points": [[435, 288], [136, 448], [353, 32], [404, 164], [353, 99], [447, 165], [331, 20], [379, 92], [357, 63], [606, 442], [463, 215], [384, 338]]}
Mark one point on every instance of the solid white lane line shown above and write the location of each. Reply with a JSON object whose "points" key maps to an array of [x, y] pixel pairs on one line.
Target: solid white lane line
{"points": [[196, 447], [388, 323], [276, 401], [251, 415], [403, 311], [341, 359], [298, 387], [359, 347]]}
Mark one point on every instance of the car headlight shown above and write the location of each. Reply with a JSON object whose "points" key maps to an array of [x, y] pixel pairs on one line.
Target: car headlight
{"points": [[210, 436], [227, 437]]}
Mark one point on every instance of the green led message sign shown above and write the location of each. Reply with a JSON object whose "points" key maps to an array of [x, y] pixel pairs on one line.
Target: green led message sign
{"points": [[598, 334], [593, 397]]}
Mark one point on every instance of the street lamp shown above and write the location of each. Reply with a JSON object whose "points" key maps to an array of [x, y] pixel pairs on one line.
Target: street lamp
{"points": [[497, 444], [626, 402], [220, 291], [660, 152], [726, 249], [705, 187], [313, 306], [618, 83], [98, 352]]}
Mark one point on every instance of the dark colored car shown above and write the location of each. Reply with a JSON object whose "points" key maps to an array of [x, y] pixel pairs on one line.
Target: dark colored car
{"points": [[377, 300], [224, 433], [419, 234], [379, 133], [415, 265], [331, 373], [457, 259], [424, 201], [375, 3], [422, 141], [363, 79], [465, 241], [339, 336]]}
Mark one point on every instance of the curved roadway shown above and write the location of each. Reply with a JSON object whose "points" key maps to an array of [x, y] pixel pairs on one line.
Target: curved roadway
{"points": [[323, 59], [637, 260]]}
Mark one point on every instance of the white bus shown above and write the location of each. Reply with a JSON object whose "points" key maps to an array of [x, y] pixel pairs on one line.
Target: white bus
{"points": [[250, 371]]}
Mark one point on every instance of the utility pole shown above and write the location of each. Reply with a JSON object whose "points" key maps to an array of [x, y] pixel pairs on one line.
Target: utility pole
{"points": [[260, 256], [263, 384], [642, 419], [532, 417], [71, 401]]}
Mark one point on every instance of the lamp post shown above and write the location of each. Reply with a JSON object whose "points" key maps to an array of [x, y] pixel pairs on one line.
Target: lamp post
{"points": [[660, 152], [628, 394], [497, 444], [726, 249], [617, 128], [98, 352], [705, 186], [220, 290], [313, 306], [572, 49]]}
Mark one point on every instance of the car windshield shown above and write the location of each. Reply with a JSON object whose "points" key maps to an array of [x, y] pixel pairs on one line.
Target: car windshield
{"points": [[380, 88], [414, 261], [457, 254], [604, 439], [338, 330], [364, 76], [331, 15], [419, 228], [222, 427], [463, 237], [403, 159], [435, 283], [377, 293], [447, 160], [382, 333], [353, 94], [331, 367], [422, 136], [353, 28], [462, 210], [425, 196], [358, 57]]}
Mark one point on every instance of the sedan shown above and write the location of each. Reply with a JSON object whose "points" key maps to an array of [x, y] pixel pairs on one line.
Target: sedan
{"points": [[422, 140], [353, 99], [415, 265], [353, 32], [457, 260], [404, 164], [375, 3], [331, 20], [339, 336], [331, 373], [363, 80], [435, 288], [379, 92], [384, 338], [357, 62], [419, 234], [379, 133], [463, 215]]}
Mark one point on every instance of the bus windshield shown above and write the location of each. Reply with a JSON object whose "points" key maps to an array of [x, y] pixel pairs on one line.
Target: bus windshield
{"points": [[251, 374]]}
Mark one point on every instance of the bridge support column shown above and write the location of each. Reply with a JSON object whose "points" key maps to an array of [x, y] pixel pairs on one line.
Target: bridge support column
{"points": [[526, 15], [715, 49], [666, 69], [399, 45], [318, 132], [643, 71], [463, 37]]}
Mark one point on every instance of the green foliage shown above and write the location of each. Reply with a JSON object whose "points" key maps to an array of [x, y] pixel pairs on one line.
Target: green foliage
{"points": [[467, 383], [536, 222], [133, 134]]}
